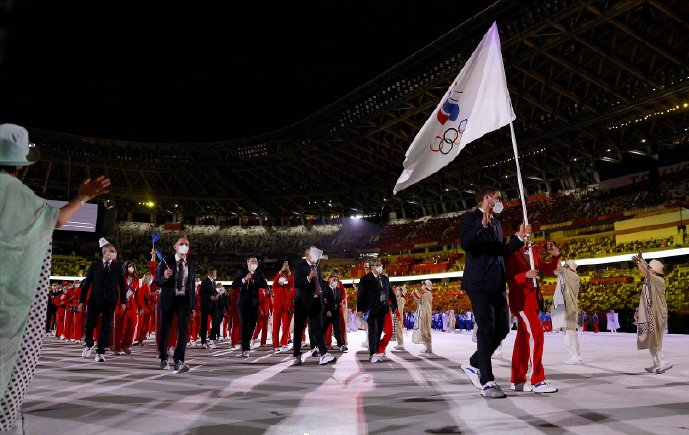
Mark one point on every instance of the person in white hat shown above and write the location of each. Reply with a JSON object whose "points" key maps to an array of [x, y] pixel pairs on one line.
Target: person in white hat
{"points": [[652, 313], [26, 230], [568, 282]]}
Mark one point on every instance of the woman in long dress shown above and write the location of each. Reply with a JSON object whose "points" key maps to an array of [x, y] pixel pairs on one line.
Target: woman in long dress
{"points": [[26, 230], [424, 315]]}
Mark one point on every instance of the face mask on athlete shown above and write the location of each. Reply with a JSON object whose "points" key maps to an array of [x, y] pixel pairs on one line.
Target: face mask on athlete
{"points": [[497, 208], [182, 249], [130, 269]]}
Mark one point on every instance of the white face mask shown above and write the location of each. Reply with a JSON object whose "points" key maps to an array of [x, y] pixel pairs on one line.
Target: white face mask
{"points": [[130, 269], [282, 280], [379, 269], [112, 255], [498, 207], [182, 249], [253, 267]]}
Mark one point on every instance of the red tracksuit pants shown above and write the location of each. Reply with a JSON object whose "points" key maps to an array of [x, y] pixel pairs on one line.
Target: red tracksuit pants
{"points": [[528, 345], [142, 326], [387, 332], [262, 327], [125, 323], [281, 317]]}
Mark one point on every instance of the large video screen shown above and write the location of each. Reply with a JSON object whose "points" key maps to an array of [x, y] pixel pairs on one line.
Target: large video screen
{"points": [[84, 220]]}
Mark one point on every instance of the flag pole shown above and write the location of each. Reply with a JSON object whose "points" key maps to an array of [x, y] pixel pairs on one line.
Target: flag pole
{"points": [[521, 195]]}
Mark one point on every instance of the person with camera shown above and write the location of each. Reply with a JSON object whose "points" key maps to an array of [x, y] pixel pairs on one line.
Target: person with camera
{"points": [[283, 307], [524, 304]]}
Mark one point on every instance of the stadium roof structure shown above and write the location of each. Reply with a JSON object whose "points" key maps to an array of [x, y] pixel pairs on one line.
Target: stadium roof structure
{"points": [[594, 84]]}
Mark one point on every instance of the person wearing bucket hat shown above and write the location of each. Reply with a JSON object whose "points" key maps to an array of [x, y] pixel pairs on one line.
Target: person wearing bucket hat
{"points": [[652, 313], [26, 230]]}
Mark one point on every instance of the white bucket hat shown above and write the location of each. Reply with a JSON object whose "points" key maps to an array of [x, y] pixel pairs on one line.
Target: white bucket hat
{"points": [[572, 264], [15, 149], [656, 266]]}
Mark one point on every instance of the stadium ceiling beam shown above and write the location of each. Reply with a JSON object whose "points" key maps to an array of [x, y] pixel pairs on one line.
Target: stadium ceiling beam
{"points": [[607, 54], [631, 32], [661, 7], [554, 85], [579, 71]]}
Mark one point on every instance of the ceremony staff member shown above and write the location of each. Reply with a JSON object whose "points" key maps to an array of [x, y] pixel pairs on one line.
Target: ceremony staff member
{"points": [[484, 282], [175, 277], [208, 297], [105, 279], [283, 307], [308, 305], [528, 345], [249, 281], [375, 292]]}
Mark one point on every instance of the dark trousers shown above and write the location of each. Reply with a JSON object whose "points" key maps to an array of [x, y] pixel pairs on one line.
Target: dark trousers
{"points": [[314, 314], [248, 315], [50, 319], [180, 308], [375, 321], [205, 312], [492, 318], [335, 320], [216, 320], [107, 313]]}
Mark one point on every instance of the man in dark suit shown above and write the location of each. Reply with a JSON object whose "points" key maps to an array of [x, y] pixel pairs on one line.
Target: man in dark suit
{"points": [[249, 281], [376, 295], [209, 306], [106, 281], [175, 276], [484, 281], [308, 305]]}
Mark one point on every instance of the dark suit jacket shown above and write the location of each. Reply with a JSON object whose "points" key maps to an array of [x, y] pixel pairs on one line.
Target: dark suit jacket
{"points": [[248, 292], [205, 292], [167, 286], [484, 270], [108, 289], [370, 290], [305, 290]]}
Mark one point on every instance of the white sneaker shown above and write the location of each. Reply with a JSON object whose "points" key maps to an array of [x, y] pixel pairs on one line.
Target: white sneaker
{"points": [[327, 358], [521, 387], [100, 357], [663, 367], [575, 361], [398, 348], [285, 348], [245, 354], [652, 369], [544, 387], [315, 352], [375, 359], [473, 374], [492, 390], [86, 352], [211, 344]]}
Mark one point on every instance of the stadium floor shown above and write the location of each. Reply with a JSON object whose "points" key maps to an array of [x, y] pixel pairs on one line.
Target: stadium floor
{"points": [[224, 394]]}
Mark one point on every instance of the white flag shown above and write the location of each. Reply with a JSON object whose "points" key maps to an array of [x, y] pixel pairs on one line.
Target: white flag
{"points": [[476, 103]]}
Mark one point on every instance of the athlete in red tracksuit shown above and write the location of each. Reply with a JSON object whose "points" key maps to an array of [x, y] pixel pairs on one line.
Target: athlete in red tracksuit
{"points": [[235, 336], [341, 301], [265, 307], [61, 303], [143, 304], [283, 307], [528, 345], [125, 321], [195, 319], [71, 303]]}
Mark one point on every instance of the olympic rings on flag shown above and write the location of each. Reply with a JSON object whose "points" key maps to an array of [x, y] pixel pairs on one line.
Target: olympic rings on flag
{"points": [[450, 138]]}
